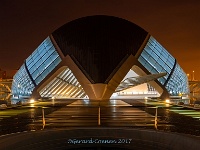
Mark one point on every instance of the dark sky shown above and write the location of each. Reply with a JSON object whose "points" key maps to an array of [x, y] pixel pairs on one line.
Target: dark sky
{"points": [[24, 24]]}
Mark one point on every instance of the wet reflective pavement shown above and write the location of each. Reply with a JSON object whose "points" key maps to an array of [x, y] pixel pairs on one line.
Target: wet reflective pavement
{"points": [[61, 114], [95, 113]]}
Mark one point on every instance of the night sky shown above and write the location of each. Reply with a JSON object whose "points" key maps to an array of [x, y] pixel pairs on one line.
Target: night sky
{"points": [[175, 24]]}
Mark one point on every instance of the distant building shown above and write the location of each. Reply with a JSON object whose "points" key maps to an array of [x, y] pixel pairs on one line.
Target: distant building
{"points": [[90, 56]]}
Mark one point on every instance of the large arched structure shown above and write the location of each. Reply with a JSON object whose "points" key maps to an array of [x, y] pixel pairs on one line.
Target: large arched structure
{"points": [[90, 56]]}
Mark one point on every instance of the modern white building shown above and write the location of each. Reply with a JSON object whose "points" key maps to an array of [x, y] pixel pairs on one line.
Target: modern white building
{"points": [[95, 57]]}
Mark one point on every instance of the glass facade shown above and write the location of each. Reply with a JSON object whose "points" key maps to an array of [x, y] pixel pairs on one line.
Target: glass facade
{"points": [[156, 59], [36, 67], [178, 82], [22, 84], [45, 58], [64, 85], [42, 61]]}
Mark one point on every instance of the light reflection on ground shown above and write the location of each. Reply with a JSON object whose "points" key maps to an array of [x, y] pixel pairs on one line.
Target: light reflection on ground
{"points": [[128, 113]]}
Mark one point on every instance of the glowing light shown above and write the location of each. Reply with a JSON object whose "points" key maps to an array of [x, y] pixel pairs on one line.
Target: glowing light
{"points": [[53, 100], [86, 101], [32, 105], [32, 101], [167, 101], [114, 94]]}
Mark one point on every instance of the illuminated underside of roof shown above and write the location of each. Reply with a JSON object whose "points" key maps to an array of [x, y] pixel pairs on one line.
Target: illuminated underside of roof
{"points": [[134, 81]]}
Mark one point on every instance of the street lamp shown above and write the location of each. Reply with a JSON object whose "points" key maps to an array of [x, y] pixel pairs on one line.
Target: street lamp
{"points": [[188, 75], [43, 118], [192, 75]]}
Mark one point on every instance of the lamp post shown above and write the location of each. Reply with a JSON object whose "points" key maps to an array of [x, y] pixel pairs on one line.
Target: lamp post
{"points": [[99, 115], [156, 119], [192, 75], [43, 118], [188, 75], [193, 80], [53, 101]]}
